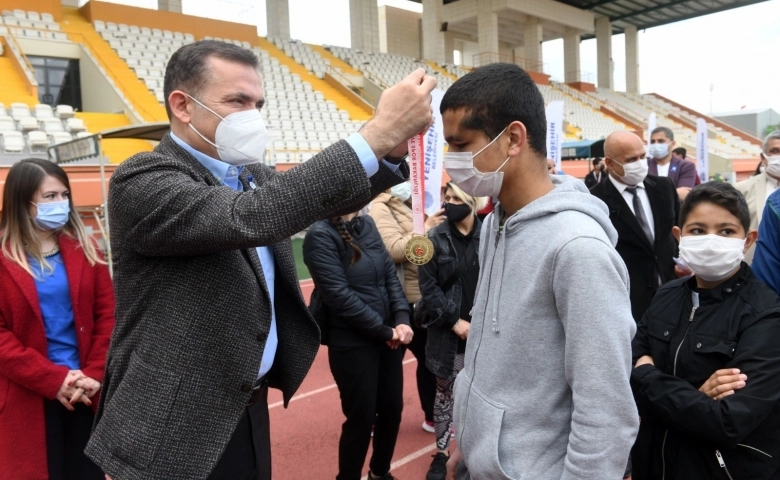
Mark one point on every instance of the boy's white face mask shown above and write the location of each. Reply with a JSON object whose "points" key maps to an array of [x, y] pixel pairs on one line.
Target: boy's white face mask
{"points": [[712, 257]]}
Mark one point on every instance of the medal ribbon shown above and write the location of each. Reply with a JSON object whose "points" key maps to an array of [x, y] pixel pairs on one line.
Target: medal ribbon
{"points": [[417, 174]]}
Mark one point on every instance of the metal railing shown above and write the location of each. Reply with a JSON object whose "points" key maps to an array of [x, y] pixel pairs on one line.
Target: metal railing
{"points": [[580, 76], [16, 49], [344, 80], [528, 64]]}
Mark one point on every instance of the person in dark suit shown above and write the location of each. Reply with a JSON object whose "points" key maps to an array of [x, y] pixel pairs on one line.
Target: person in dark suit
{"points": [[645, 240], [663, 164], [597, 175], [209, 312]]}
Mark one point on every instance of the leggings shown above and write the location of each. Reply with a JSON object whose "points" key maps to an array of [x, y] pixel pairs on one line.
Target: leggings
{"points": [[442, 408]]}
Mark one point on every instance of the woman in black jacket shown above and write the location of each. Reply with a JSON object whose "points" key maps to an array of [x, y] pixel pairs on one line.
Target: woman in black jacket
{"points": [[368, 318], [448, 284], [707, 374]]}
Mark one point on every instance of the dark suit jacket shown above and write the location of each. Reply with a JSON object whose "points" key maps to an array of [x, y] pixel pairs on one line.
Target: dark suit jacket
{"points": [[681, 172], [643, 260], [193, 311], [590, 178]]}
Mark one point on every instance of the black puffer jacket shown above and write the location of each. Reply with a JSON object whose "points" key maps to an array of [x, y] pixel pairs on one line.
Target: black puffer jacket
{"points": [[685, 435], [365, 299]]}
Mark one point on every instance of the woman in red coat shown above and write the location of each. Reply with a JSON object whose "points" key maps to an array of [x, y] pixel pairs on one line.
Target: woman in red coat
{"points": [[56, 317]]}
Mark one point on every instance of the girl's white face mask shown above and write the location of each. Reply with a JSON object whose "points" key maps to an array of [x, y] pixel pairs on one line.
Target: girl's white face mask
{"points": [[712, 257], [240, 138]]}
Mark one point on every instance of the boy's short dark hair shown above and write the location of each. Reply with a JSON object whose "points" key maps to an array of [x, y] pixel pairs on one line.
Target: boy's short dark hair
{"points": [[495, 96], [680, 152], [722, 194]]}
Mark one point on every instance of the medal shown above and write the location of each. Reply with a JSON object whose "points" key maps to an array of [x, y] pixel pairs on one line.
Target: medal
{"points": [[419, 249]]}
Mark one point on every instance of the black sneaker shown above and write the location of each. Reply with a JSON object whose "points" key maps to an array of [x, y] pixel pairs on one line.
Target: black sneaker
{"points": [[438, 470], [386, 476]]}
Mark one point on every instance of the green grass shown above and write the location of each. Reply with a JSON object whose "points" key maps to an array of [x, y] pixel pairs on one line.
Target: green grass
{"points": [[303, 272]]}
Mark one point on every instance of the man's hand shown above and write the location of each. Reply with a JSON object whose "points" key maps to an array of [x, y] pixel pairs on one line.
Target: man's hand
{"points": [[394, 343], [682, 192], [405, 333], [435, 220], [723, 383], [455, 458], [644, 360], [404, 110], [461, 329]]}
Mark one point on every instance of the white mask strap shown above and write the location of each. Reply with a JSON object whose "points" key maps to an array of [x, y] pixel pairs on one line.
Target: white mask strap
{"points": [[207, 108], [201, 136], [492, 142]]}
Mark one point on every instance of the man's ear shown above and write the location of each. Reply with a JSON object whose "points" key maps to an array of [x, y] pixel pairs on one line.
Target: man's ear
{"points": [[178, 103], [751, 238], [518, 138], [677, 233]]}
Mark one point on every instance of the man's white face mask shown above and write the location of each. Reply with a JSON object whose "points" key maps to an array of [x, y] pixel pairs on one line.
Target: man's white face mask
{"points": [[240, 138]]}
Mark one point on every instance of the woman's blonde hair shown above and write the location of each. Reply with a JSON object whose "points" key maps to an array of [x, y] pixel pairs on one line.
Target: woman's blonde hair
{"points": [[18, 229], [476, 203]]}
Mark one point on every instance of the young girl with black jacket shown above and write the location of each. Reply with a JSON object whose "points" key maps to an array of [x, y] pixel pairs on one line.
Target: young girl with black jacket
{"points": [[367, 319]]}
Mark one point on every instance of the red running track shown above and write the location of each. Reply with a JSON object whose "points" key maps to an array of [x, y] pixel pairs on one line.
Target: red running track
{"points": [[305, 436]]}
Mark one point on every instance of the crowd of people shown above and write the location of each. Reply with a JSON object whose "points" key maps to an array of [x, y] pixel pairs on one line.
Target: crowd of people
{"points": [[622, 326]]}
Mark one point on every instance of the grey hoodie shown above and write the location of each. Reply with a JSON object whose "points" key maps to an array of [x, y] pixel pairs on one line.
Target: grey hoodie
{"points": [[545, 389]]}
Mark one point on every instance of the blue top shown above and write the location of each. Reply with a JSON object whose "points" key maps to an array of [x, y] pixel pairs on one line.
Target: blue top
{"points": [[228, 175], [57, 310], [766, 261]]}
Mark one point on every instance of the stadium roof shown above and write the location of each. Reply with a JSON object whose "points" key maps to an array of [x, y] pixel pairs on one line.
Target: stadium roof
{"points": [[648, 13]]}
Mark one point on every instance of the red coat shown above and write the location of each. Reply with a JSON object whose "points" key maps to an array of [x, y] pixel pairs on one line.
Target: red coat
{"points": [[26, 374]]}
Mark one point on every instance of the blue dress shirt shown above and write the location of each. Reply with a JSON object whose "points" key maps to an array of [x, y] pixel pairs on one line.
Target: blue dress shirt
{"points": [[57, 311], [228, 175]]}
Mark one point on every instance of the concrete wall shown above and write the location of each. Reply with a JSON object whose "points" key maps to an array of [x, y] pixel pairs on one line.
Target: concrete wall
{"points": [[97, 95], [399, 31]]}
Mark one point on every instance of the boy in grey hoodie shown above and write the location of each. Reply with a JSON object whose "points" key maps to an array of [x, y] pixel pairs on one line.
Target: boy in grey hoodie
{"points": [[545, 389]]}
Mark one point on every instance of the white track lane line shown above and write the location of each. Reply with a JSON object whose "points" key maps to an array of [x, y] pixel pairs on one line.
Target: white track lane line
{"points": [[320, 390], [408, 459]]}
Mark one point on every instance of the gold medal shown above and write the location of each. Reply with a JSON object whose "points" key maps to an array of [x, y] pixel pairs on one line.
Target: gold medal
{"points": [[419, 250]]}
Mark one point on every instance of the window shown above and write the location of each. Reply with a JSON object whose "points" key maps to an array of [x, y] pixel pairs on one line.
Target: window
{"points": [[59, 81]]}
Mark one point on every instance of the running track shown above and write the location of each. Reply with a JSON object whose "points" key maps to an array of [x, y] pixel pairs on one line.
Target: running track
{"points": [[304, 437]]}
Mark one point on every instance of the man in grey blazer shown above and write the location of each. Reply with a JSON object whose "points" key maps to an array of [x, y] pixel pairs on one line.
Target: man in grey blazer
{"points": [[209, 313]]}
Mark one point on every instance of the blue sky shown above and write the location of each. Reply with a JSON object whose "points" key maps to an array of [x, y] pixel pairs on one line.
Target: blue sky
{"points": [[735, 51]]}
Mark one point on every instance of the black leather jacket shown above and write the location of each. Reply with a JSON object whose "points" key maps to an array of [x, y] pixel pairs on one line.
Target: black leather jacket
{"points": [[684, 434], [365, 298], [443, 308]]}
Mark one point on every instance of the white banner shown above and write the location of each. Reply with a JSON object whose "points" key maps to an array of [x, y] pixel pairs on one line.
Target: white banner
{"points": [[650, 127], [434, 156], [554, 114], [702, 157]]}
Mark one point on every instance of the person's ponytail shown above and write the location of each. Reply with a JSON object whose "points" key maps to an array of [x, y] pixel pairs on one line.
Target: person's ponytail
{"points": [[341, 227]]}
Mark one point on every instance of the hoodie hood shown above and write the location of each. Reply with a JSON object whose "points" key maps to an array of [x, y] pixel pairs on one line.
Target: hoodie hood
{"points": [[569, 194]]}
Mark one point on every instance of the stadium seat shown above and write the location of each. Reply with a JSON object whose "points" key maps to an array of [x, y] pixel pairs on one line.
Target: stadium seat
{"points": [[13, 142], [60, 137], [37, 139], [51, 125], [75, 125], [64, 111], [27, 124], [7, 124], [43, 111]]}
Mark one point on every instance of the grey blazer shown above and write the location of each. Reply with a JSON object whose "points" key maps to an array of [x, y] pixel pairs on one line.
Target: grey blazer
{"points": [[192, 309]]}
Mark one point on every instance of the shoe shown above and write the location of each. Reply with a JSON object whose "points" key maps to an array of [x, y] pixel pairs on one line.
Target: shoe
{"points": [[438, 470], [429, 427], [386, 476]]}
